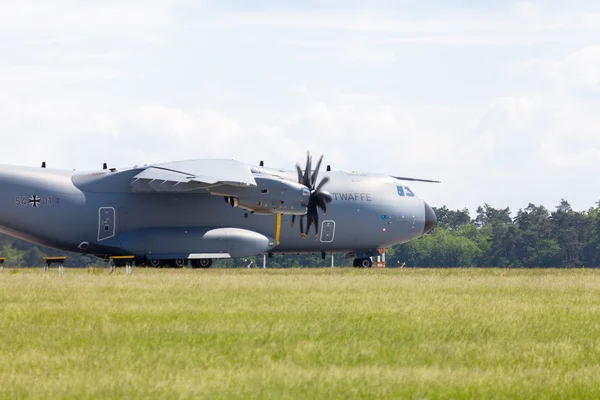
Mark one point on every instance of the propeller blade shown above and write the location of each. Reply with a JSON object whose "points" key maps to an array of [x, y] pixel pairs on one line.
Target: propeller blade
{"points": [[318, 199], [310, 215], [402, 178], [307, 181], [326, 196], [323, 182], [299, 170], [317, 167], [320, 203], [302, 226]]}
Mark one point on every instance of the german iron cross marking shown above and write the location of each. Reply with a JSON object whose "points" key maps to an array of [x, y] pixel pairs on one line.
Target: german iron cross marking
{"points": [[34, 201]]}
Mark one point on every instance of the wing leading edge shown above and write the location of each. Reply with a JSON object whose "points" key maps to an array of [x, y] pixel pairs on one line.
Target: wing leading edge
{"points": [[180, 176]]}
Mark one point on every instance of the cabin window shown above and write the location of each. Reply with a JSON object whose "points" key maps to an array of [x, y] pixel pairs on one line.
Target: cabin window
{"points": [[400, 190]]}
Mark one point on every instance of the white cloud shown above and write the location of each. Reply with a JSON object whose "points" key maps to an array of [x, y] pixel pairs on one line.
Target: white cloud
{"points": [[525, 20], [66, 20], [565, 114], [123, 83], [579, 70]]}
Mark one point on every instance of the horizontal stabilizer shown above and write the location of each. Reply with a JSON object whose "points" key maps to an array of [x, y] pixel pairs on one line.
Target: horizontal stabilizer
{"points": [[402, 178]]}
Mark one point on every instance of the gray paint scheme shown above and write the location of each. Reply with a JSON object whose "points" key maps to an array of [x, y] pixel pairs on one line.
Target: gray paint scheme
{"points": [[110, 212]]}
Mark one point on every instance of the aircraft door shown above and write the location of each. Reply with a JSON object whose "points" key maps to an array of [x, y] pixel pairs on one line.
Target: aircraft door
{"points": [[327, 231], [106, 223]]}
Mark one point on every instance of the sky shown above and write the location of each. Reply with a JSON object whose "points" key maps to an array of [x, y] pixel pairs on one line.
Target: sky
{"points": [[499, 100]]}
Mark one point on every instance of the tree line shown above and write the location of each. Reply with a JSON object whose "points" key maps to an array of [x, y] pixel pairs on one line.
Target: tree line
{"points": [[493, 237], [533, 237]]}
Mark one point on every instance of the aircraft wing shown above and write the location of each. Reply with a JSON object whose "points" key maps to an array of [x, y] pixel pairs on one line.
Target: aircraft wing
{"points": [[189, 175], [239, 184]]}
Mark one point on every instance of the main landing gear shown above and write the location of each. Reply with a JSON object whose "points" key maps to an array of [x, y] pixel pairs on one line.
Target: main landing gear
{"points": [[201, 263], [180, 263], [364, 262]]}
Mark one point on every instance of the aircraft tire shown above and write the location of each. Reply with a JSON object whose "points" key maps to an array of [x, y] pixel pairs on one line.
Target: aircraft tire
{"points": [[364, 262], [202, 263], [180, 262], [172, 263], [155, 263]]}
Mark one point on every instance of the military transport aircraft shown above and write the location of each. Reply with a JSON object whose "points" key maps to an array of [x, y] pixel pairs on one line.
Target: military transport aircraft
{"points": [[199, 210]]}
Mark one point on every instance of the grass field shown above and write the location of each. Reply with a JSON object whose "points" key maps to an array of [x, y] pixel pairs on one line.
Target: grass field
{"points": [[311, 333]]}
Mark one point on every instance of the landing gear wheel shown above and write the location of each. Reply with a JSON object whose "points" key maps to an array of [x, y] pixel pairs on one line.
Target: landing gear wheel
{"points": [[180, 262], [201, 263], [155, 263], [363, 262]]}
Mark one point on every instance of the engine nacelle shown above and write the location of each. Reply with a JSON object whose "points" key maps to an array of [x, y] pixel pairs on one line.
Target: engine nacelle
{"points": [[271, 195]]}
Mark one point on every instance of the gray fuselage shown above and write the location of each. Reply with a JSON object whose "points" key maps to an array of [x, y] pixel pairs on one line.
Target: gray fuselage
{"points": [[99, 213]]}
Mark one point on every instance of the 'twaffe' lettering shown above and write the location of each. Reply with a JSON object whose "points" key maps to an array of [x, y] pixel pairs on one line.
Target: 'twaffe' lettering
{"points": [[352, 196]]}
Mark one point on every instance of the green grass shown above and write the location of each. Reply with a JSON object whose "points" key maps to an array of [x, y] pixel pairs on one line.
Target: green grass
{"points": [[312, 333]]}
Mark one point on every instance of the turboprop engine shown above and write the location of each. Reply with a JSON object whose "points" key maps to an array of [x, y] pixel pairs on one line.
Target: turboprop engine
{"points": [[271, 194]]}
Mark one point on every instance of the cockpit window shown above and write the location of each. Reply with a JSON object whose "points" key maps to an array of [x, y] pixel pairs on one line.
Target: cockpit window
{"points": [[405, 191]]}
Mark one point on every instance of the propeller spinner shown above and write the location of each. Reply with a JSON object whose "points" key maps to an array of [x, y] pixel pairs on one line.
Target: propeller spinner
{"points": [[318, 198]]}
